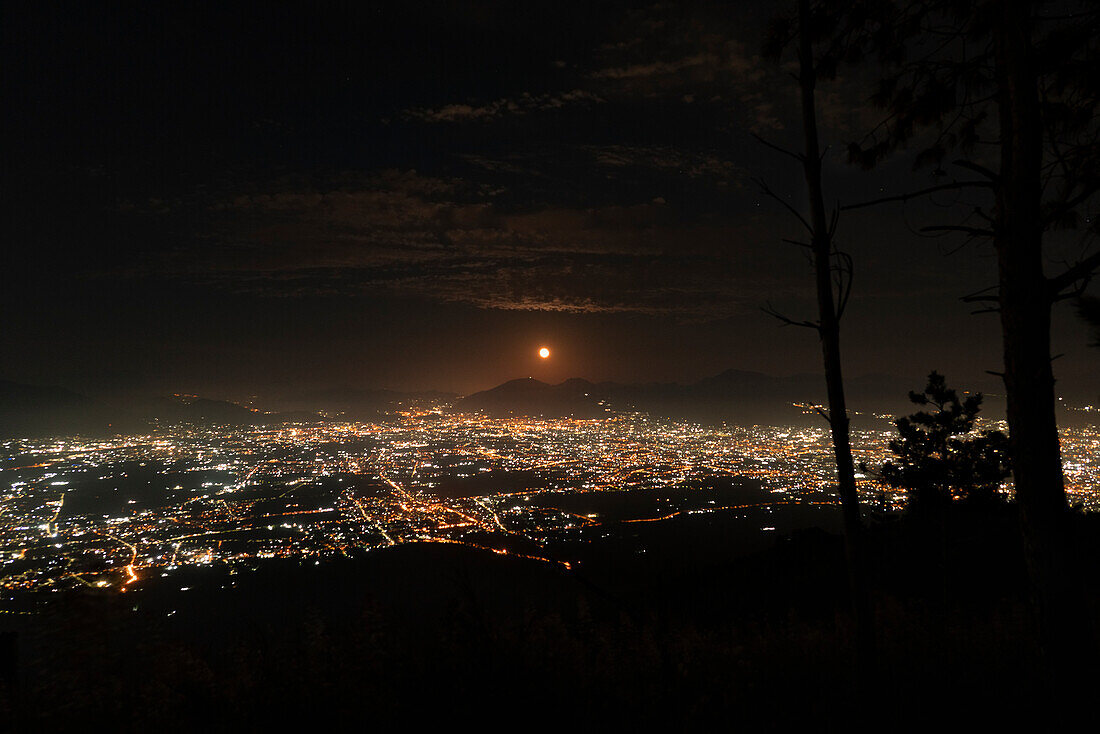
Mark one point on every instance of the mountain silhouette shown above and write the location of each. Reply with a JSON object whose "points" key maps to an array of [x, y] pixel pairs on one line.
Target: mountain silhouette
{"points": [[345, 402], [36, 410], [736, 396], [575, 398]]}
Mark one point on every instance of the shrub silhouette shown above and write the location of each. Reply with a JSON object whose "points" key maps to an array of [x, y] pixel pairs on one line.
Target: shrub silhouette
{"points": [[940, 458]]}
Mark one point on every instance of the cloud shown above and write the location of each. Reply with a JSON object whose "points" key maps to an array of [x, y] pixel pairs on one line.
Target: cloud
{"points": [[524, 104], [401, 234], [689, 54], [658, 68], [684, 287], [690, 163]]}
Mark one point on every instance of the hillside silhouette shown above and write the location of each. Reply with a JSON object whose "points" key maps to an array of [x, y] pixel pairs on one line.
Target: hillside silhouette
{"points": [[439, 633]]}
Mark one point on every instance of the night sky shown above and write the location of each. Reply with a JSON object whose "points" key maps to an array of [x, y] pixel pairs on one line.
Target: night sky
{"points": [[242, 200]]}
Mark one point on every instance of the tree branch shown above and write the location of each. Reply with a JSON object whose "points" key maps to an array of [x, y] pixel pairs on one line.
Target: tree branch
{"points": [[768, 192], [844, 284], [972, 231], [922, 192], [970, 165], [1081, 271], [787, 321], [797, 156], [984, 296], [978, 211], [1066, 206], [807, 245]]}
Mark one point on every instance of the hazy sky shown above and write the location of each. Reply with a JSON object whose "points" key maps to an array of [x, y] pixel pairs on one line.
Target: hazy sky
{"points": [[251, 199]]}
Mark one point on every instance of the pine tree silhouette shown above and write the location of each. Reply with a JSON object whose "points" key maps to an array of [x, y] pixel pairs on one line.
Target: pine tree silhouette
{"points": [[939, 458]]}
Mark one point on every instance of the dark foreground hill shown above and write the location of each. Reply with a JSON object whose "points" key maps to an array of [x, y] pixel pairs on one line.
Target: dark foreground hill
{"points": [[440, 636]]}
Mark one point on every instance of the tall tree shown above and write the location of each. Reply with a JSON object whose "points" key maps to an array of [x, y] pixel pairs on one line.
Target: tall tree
{"points": [[833, 279], [1017, 78]]}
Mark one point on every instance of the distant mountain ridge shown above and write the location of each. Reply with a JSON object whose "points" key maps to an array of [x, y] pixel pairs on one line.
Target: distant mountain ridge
{"points": [[207, 411], [357, 403], [730, 396], [36, 410], [733, 396], [527, 396]]}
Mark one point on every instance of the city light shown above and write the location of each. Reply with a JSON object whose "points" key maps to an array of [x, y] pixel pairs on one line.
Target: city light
{"points": [[109, 512]]}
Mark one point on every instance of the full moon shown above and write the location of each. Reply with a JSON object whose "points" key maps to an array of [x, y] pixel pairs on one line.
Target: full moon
{"points": [[544, 352]]}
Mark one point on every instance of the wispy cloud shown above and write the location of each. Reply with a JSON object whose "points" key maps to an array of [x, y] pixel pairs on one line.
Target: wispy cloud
{"points": [[694, 164], [688, 54], [524, 104], [657, 68], [407, 235]]}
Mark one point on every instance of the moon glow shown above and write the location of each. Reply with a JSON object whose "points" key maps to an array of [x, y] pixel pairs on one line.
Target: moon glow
{"points": [[544, 353]]}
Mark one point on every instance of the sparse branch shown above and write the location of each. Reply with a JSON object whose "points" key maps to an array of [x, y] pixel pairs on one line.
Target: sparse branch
{"points": [[983, 295], [1060, 159], [1068, 204], [972, 166], [766, 190], [978, 211], [779, 149], [807, 245], [922, 192], [1072, 294], [787, 321], [844, 284], [1081, 271], [972, 231]]}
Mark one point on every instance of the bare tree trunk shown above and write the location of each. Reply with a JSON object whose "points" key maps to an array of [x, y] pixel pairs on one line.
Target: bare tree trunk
{"points": [[829, 331], [1025, 307]]}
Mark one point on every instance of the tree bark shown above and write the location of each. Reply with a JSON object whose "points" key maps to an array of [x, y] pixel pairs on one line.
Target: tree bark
{"points": [[1025, 310], [829, 331]]}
